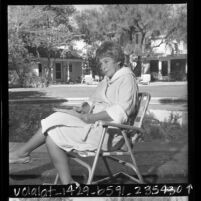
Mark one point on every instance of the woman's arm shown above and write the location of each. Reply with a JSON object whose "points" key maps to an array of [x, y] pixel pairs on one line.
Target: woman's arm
{"points": [[92, 118]]}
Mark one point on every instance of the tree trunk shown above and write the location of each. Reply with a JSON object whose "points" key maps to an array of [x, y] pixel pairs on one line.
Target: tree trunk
{"points": [[49, 78], [143, 43], [49, 67], [126, 60], [21, 77], [137, 70]]}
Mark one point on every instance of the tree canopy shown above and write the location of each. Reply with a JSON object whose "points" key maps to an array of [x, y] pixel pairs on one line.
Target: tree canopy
{"points": [[133, 26], [39, 26]]}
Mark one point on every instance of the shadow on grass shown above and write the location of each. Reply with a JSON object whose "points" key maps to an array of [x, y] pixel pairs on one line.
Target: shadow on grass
{"points": [[150, 164], [35, 95], [25, 118], [25, 94], [34, 173], [171, 170], [172, 101]]}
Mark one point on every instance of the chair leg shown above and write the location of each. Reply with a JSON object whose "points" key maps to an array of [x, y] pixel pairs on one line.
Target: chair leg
{"points": [[56, 179], [81, 162], [86, 165], [96, 157], [132, 157], [130, 165]]}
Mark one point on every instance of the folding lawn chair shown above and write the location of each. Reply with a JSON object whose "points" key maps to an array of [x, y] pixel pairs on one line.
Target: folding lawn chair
{"points": [[131, 134]]}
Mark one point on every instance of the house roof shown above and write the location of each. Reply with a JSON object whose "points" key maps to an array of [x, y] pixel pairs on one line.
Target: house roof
{"points": [[160, 57]]}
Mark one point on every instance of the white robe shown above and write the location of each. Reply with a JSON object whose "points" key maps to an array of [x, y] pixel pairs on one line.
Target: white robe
{"points": [[116, 96]]}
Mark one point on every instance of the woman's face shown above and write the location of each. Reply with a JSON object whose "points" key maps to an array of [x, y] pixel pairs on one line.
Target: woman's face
{"points": [[109, 66]]}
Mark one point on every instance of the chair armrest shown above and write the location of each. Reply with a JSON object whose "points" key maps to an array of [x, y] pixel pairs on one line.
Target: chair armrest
{"points": [[122, 126]]}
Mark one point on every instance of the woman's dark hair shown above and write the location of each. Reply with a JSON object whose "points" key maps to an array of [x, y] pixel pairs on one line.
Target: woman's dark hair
{"points": [[110, 49]]}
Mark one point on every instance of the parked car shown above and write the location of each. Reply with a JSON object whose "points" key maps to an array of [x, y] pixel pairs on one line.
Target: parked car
{"points": [[88, 79], [145, 79]]}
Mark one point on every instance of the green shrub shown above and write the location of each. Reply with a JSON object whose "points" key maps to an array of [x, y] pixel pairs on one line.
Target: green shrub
{"points": [[178, 76], [26, 80], [34, 81], [13, 79], [169, 130]]}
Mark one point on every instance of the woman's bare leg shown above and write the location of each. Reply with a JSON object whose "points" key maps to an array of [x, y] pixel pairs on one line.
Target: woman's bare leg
{"points": [[34, 142], [60, 161]]}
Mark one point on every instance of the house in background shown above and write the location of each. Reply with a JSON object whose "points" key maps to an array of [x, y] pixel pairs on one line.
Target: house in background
{"points": [[65, 69], [167, 63], [167, 68]]}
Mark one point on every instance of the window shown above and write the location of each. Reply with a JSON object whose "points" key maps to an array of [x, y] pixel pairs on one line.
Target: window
{"points": [[154, 66], [58, 70], [70, 68], [40, 69], [164, 68]]}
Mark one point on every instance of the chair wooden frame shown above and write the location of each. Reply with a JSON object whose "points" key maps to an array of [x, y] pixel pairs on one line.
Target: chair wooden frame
{"points": [[135, 130]]}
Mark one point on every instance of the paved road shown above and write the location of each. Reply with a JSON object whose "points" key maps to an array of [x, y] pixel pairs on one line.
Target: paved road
{"points": [[178, 90]]}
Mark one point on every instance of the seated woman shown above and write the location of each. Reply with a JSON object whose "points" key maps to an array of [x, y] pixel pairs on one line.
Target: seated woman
{"points": [[114, 100]]}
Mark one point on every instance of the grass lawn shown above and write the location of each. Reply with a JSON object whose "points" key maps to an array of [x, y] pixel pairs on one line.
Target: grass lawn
{"points": [[24, 119]]}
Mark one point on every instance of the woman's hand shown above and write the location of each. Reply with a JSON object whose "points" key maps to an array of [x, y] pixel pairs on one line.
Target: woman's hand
{"points": [[84, 109], [77, 109], [86, 118]]}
